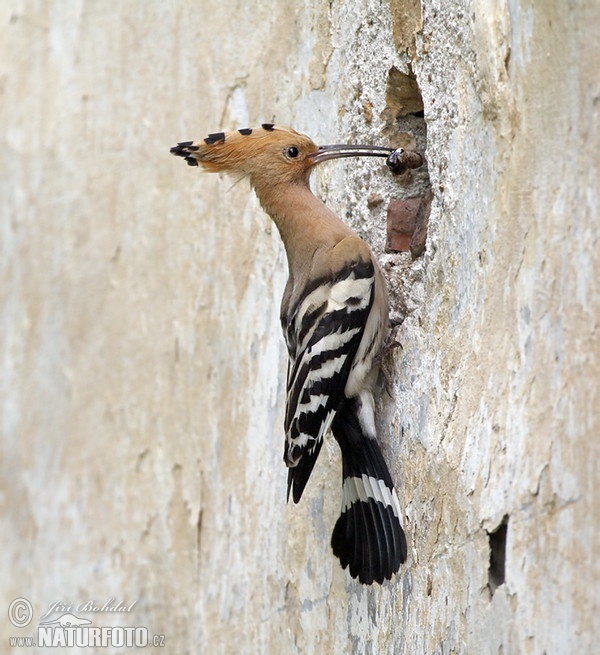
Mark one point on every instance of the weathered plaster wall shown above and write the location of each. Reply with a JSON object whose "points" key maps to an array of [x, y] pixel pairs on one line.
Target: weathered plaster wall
{"points": [[142, 367]]}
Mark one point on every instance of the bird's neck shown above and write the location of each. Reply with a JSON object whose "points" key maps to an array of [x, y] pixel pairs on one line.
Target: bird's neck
{"points": [[304, 222]]}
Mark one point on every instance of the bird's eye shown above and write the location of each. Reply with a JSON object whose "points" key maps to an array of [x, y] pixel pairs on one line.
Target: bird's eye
{"points": [[292, 152]]}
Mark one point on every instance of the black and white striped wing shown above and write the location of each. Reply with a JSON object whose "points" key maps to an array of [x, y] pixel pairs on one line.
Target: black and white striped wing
{"points": [[323, 334]]}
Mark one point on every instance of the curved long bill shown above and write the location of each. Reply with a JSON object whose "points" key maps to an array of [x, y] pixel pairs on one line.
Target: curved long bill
{"points": [[344, 150]]}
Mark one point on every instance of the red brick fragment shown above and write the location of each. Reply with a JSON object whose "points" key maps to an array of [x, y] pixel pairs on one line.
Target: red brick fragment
{"points": [[401, 223], [407, 222]]}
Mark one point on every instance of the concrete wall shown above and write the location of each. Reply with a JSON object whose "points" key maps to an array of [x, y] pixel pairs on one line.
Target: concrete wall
{"points": [[142, 365]]}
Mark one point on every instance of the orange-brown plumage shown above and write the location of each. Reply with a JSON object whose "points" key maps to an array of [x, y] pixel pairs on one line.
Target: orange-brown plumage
{"points": [[263, 154]]}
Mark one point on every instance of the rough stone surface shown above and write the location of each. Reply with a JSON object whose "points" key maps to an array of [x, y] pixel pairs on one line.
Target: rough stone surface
{"points": [[418, 242], [141, 362]]}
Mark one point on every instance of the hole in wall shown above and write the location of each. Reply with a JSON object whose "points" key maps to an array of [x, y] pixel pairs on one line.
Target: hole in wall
{"points": [[407, 200], [405, 127], [497, 567]]}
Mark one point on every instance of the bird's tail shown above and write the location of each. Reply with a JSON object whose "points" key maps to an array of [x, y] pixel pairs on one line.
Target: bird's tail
{"points": [[367, 537]]}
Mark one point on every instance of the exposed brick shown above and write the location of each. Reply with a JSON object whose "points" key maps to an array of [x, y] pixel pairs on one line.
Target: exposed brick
{"points": [[401, 223], [407, 222]]}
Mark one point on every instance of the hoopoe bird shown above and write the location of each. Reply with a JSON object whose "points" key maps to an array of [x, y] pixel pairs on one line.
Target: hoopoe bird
{"points": [[334, 315]]}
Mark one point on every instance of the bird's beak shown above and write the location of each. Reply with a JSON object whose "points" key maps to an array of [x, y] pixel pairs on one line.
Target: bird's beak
{"points": [[344, 150]]}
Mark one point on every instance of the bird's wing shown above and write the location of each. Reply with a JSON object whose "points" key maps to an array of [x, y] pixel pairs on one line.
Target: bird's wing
{"points": [[323, 332]]}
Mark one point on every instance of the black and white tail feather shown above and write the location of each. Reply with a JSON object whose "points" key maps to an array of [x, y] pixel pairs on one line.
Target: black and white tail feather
{"points": [[367, 537], [333, 334]]}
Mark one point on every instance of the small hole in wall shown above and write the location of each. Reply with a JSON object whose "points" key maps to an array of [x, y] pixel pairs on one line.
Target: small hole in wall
{"points": [[497, 569], [405, 127]]}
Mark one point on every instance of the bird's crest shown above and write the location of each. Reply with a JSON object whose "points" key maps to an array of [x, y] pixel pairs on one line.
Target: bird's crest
{"points": [[238, 151]]}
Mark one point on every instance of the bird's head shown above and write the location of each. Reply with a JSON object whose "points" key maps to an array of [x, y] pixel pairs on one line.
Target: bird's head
{"points": [[268, 155]]}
